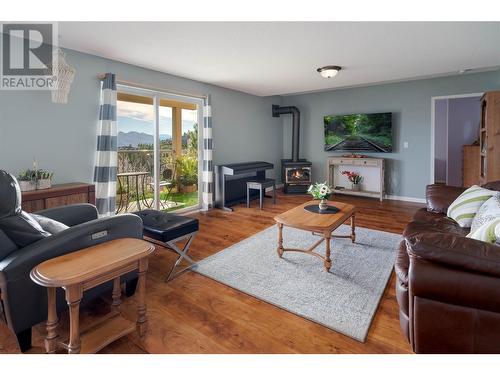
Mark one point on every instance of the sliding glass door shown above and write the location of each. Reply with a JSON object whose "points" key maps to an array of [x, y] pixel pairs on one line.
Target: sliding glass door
{"points": [[158, 150]]}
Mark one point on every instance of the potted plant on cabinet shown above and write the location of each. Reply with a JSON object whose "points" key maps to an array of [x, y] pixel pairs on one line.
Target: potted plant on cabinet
{"points": [[43, 179], [27, 180]]}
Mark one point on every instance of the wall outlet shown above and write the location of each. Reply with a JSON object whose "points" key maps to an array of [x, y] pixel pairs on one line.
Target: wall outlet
{"points": [[405, 144]]}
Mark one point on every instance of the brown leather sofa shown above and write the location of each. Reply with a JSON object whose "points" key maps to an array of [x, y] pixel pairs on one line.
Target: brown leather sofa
{"points": [[448, 286]]}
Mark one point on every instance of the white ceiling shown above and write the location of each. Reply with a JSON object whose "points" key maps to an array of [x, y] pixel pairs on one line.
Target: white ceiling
{"points": [[278, 58]]}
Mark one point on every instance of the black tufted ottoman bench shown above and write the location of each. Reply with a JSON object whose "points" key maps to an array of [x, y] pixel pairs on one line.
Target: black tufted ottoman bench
{"points": [[167, 229]]}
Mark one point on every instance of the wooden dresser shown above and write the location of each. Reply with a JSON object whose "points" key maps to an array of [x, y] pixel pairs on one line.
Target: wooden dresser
{"points": [[58, 195], [471, 165]]}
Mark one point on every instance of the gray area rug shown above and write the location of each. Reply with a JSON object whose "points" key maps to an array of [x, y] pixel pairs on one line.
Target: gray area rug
{"points": [[345, 299]]}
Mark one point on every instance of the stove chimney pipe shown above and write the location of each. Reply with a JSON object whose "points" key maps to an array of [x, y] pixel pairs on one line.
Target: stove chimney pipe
{"points": [[294, 111]]}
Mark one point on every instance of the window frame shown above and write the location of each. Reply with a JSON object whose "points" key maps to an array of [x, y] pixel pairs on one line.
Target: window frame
{"points": [[157, 97]]}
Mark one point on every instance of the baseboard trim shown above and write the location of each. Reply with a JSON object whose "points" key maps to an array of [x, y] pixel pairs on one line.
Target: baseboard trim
{"points": [[390, 197], [405, 199]]}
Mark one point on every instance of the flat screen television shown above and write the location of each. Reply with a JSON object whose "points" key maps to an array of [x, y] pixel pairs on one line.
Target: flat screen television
{"points": [[359, 132]]}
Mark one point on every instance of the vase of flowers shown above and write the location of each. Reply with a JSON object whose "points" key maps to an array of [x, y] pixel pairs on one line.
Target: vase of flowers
{"points": [[322, 192], [355, 179]]}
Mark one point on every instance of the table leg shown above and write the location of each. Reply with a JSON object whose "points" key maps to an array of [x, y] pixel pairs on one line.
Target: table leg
{"points": [[128, 194], [353, 229], [141, 297], [143, 185], [137, 192], [280, 240], [73, 297], [120, 187], [52, 322], [328, 262], [117, 292]]}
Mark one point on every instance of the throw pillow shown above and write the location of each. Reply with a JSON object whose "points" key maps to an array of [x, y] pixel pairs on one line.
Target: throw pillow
{"points": [[50, 225], [490, 210], [465, 207], [488, 232], [22, 229]]}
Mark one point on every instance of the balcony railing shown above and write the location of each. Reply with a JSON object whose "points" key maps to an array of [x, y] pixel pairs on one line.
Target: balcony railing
{"points": [[135, 186]]}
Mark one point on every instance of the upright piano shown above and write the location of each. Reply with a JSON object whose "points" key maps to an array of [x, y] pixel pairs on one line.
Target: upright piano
{"points": [[231, 182]]}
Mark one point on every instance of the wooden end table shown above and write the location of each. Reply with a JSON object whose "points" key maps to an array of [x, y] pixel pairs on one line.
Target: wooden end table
{"points": [[82, 270], [320, 224]]}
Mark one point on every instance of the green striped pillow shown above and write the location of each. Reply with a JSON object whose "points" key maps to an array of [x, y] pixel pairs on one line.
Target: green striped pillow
{"points": [[488, 232], [466, 206]]}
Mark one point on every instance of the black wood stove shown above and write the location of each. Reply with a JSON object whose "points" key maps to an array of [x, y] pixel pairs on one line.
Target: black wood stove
{"points": [[295, 172]]}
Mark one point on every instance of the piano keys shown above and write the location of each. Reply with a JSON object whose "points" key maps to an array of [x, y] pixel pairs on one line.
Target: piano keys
{"points": [[231, 182]]}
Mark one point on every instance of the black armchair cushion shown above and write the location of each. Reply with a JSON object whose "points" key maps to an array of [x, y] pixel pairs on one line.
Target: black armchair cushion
{"points": [[22, 229], [49, 225], [72, 214], [6, 245], [19, 226], [10, 204]]}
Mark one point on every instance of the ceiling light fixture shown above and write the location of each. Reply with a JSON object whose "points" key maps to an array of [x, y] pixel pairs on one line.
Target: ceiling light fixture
{"points": [[329, 71]]}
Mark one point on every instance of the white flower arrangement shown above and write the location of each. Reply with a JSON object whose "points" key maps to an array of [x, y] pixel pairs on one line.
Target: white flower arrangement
{"points": [[320, 190]]}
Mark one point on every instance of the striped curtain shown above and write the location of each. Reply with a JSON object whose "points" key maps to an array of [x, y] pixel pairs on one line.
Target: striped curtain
{"points": [[207, 178], [107, 153]]}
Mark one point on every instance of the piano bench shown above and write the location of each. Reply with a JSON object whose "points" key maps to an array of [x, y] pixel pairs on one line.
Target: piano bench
{"points": [[261, 185]]}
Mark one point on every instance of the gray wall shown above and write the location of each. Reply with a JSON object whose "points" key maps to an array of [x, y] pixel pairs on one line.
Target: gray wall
{"points": [[63, 136], [408, 170]]}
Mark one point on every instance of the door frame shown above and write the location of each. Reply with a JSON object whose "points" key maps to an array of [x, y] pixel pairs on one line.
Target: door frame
{"points": [[156, 95], [433, 125]]}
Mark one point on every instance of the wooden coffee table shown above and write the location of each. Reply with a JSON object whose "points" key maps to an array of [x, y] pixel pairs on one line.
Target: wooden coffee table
{"points": [[319, 224], [82, 270]]}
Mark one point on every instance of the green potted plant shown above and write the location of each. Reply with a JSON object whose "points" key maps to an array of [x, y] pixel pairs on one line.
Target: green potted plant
{"points": [[322, 192], [27, 180], [43, 179], [187, 172]]}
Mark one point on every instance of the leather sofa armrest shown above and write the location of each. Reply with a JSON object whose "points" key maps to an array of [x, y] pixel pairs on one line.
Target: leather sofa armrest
{"points": [[72, 214], [456, 251], [440, 197], [452, 286], [20, 263]]}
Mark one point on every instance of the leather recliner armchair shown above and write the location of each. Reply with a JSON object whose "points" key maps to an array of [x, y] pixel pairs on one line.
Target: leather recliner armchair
{"points": [[24, 303], [447, 285]]}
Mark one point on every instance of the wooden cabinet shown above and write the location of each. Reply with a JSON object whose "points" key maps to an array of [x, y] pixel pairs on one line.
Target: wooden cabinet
{"points": [[489, 137], [58, 195], [471, 158], [372, 170]]}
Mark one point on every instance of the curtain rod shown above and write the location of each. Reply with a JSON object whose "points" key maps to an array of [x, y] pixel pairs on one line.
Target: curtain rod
{"points": [[101, 76]]}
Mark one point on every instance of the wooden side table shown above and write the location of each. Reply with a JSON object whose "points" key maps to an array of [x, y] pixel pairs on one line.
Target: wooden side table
{"points": [[82, 270]]}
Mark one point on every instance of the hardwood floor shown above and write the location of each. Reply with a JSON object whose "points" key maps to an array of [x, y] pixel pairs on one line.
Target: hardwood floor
{"points": [[194, 314]]}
